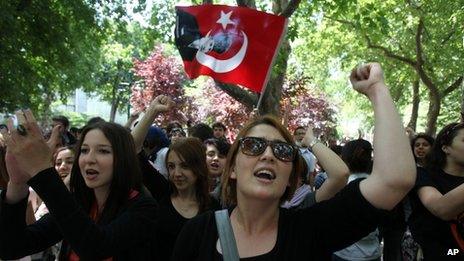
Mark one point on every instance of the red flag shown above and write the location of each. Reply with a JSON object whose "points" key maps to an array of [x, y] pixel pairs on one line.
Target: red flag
{"points": [[230, 44]]}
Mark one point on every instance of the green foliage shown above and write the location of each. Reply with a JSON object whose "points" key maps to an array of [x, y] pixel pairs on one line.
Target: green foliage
{"points": [[341, 34], [46, 47]]}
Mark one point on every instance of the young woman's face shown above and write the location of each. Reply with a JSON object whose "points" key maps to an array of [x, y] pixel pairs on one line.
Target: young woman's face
{"points": [[63, 163], [421, 148], [214, 161], [96, 160], [263, 176], [179, 173], [455, 151]]}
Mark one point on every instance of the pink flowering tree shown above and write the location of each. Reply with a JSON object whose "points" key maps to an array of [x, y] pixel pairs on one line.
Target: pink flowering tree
{"points": [[223, 108], [304, 105], [161, 74]]}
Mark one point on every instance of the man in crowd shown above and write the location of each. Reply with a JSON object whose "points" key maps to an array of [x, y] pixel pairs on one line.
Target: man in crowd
{"points": [[66, 137], [298, 135]]}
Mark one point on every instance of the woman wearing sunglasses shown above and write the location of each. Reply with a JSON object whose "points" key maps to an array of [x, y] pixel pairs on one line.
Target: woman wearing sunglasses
{"points": [[261, 172], [437, 200]]}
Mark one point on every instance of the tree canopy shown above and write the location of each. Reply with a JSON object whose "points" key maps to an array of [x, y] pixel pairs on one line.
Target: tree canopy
{"points": [[50, 48], [47, 48]]}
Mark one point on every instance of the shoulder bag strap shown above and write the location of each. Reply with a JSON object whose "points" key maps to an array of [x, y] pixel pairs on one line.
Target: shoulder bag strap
{"points": [[226, 236]]}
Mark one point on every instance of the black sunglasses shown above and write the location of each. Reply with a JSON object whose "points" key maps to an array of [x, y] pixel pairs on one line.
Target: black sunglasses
{"points": [[254, 146]]}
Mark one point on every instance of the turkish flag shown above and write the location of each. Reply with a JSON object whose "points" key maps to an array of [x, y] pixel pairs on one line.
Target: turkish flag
{"points": [[231, 44]]}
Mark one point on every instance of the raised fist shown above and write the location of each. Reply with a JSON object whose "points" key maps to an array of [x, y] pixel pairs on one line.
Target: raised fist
{"points": [[162, 103], [365, 77]]}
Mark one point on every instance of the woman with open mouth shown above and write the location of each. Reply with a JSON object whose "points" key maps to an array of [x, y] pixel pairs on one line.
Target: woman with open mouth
{"points": [[262, 170], [102, 217]]}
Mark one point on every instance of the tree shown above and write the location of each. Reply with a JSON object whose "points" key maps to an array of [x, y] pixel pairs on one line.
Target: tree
{"points": [[114, 76], [217, 105], [423, 36], [159, 74], [305, 106], [47, 48]]}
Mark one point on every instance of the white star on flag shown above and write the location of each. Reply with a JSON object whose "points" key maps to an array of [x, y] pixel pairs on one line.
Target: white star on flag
{"points": [[225, 19]]}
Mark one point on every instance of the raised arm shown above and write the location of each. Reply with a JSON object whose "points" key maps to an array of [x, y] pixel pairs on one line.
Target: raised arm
{"points": [[160, 104], [394, 171], [89, 240], [446, 207], [133, 117], [336, 169]]}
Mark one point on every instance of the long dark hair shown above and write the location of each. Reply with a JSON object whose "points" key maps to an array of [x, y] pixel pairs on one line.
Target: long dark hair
{"points": [[436, 159], [192, 152], [126, 171]]}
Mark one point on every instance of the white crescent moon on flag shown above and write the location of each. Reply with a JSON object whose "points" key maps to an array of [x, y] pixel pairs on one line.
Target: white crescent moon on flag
{"points": [[223, 66]]}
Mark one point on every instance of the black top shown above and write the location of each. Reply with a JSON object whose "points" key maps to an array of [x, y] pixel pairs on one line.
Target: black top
{"points": [[432, 233], [128, 236], [305, 234], [170, 221]]}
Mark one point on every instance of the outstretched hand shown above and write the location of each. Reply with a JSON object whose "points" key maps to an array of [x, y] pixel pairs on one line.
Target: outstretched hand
{"points": [[26, 146], [366, 77], [162, 103]]}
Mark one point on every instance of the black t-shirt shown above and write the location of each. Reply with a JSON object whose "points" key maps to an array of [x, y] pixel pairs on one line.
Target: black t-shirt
{"points": [[170, 222], [432, 233], [305, 234]]}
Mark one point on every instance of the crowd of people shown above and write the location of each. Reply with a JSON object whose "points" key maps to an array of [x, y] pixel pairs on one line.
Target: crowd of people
{"points": [[144, 192]]}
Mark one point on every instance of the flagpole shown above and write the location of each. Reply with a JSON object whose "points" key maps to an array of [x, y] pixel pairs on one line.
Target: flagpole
{"points": [[263, 90], [261, 95]]}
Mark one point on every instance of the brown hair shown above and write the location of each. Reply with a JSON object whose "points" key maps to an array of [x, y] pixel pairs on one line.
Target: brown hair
{"points": [[229, 186], [192, 152], [60, 149]]}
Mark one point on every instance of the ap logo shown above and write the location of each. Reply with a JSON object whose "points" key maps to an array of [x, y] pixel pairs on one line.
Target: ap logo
{"points": [[452, 252]]}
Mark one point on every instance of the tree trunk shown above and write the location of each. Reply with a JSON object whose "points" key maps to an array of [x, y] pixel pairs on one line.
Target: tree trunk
{"points": [[46, 111], [415, 105], [114, 103], [273, 92], [433, 112], [114, 109]]}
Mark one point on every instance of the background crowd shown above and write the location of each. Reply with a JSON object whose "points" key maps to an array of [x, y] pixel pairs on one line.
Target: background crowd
{"points": [[145, 192]]}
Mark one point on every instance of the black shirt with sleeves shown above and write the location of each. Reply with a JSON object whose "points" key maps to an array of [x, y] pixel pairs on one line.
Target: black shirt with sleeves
{"points": [[432, 233], [303, 234], [128, 236]]}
